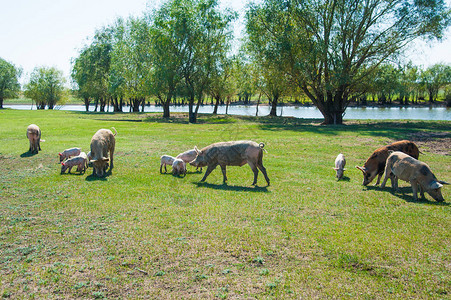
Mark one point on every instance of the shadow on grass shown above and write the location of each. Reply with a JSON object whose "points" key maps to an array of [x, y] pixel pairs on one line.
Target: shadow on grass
{"points": [[405, 193], [235, 188], [174, 175], [28, 154], [345, 178], [92, 177]]}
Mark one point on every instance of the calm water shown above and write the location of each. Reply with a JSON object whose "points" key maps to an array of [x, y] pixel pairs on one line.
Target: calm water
{"points": [[361, 113]]}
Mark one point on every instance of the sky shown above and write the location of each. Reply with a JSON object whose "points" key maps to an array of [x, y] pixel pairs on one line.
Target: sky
{"points": [[51, 33]]}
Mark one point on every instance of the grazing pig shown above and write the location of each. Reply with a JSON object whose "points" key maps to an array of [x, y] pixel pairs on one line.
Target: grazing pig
{"points": [[188, 156], [102, 142], [405, 167], [34, 136], [340, 163], [375, 164], [178, 167], [236, 153], [69, 153], [166, 160], [79, 161]]}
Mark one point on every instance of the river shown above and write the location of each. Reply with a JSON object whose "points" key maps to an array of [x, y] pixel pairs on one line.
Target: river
{"points": [[356, 113]]}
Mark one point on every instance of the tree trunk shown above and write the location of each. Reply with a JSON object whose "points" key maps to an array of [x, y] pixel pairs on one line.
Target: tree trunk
{"points": [[273, 102], [1, 102], [258, 103], [215, 110]]}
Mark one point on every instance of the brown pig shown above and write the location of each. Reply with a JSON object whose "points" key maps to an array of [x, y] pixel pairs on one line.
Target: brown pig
{"points": [[405, 167], [375, 164], [236, 153], [102, 142], [34, 136]]}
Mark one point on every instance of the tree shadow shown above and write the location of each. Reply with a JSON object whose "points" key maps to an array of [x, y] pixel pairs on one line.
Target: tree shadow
{"points": [[28, 154], [92, 177], [235, 188], [405, 193]]}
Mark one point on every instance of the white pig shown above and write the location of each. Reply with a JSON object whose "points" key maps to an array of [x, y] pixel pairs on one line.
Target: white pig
{"points": [[340, 163], [166, 160], [178, 167], [69, 153]]}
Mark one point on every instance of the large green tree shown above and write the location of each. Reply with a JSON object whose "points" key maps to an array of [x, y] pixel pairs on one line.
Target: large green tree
{"points": [[9, 80], [434, 78], [46, 87], [329, 47]]}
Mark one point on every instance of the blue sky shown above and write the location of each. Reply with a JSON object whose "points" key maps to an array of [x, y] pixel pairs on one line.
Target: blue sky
{"points": [[50, 33]]}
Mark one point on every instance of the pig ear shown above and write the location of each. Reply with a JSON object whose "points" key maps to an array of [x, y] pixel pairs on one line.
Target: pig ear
{"points": [[93, 161], [60, 154], [335, 169], [443, 182], [62, 164], [105, 159], [435, 185], [361, 169], [197, 150]]}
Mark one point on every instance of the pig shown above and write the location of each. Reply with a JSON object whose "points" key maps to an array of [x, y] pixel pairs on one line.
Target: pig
{"points": [[188, 156], [102, 142], [166, 160], [79, 161], [69, 153], [85, 156], [340, 163], [235, 153], [178, 167], [405, 167], [34, 136], [375, 164]]}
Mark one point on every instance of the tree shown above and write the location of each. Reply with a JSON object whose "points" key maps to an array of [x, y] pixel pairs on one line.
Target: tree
{"points": [[434, 78], [46, 87], [130, 61], [168, 46], [329, 47], [9, 80]]}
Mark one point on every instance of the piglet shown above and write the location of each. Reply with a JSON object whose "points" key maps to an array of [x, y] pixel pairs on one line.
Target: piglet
{"points": [[69, 153], [79, 161], [165, 160], [340, 163], [178, 167]]}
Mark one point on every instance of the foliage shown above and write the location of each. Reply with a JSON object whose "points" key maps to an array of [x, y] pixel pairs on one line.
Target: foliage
{"points": [[45, 87], [9, 80], [329, 47], [434, 78]]}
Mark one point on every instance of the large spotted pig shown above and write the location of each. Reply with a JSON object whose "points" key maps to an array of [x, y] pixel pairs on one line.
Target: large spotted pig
{"points": [[34, 137], [405, 167], [236, 153], [102, 142], [375, 164]]}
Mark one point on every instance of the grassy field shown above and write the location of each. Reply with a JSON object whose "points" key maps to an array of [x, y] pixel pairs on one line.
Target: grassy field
{"points": [[141, 234]]}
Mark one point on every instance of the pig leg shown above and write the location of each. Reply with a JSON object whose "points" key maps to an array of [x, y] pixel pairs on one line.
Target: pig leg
{"points": [[111, 159], [223, 168], [421, 190], [262, 169], [378, 178], [414, 189], [209, 169], [255, 170], [161, 168], [385, 179]]}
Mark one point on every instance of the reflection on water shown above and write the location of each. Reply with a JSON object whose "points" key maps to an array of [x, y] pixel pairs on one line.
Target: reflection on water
{"points": [[360, 113]]}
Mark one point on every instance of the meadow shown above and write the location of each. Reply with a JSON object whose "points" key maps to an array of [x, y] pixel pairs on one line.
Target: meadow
{"points": [[140, 234]]}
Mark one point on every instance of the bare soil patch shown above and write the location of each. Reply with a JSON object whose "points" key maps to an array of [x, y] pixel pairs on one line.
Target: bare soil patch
{"points": [[434, 142]]}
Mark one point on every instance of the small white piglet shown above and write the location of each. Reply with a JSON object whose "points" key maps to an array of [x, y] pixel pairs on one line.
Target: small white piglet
{"points": [[178, 167], [69, 153], [79, 161], [340, 163], [166, 160]]}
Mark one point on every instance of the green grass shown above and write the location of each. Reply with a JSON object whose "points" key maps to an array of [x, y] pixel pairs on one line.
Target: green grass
{"points": [[141, 234]]}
